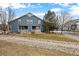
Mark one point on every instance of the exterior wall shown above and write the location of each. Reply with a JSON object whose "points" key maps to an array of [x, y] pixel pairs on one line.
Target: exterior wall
{"points": [[67, 27], [25, 21], [13, 26], [77, 26], [72, 25]]}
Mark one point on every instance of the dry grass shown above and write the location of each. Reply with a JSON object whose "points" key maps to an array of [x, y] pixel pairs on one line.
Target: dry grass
{"points": [[11, 49], [57, 37]]}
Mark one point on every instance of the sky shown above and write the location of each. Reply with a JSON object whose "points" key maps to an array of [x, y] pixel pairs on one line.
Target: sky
{"points": [[39, 9]]}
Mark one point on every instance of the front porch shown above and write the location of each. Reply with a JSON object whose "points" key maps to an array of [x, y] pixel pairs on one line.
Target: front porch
{"points": [[29, 29]]}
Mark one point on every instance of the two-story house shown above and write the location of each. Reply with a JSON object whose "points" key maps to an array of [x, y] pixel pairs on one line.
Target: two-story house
{"points": [[26, 23]]}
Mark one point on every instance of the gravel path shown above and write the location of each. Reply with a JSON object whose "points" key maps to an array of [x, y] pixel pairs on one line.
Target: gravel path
{"points": [[67, 47]]}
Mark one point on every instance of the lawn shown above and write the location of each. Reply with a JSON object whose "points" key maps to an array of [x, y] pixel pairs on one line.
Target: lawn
{"points": [[12, 49], [57, 37]]}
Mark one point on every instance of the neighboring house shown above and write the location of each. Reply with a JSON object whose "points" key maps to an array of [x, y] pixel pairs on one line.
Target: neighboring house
{"points": [[72, 25], [26, 23]]}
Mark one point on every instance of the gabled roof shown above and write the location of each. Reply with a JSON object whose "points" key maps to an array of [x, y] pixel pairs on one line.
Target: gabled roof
{"points": [[72, 21], [28, 14]]}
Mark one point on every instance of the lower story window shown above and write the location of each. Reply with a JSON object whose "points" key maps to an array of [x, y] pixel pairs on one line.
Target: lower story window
{"points": [[74, 26], [23, 27], [35, 27]]}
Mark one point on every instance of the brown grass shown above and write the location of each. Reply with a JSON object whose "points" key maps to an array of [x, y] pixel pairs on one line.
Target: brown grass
{"points": [[56, 37], [11, 49]]}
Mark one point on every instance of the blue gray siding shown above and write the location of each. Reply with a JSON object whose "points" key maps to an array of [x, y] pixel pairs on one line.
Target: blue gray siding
{"points": [[14, 26], [24, 21]]}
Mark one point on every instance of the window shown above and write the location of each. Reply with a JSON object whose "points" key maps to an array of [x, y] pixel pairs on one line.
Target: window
{"points": [[19, 20], [30, 21], [74, 26], [33, 27], [23, 27], [27, 20], [39, 22]]}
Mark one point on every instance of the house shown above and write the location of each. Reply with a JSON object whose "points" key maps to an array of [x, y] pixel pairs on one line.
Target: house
{"points": [[72, 25], [26, 23]]}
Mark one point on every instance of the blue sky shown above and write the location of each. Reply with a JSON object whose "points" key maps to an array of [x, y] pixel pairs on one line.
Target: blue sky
{"points": [[39, 9]]}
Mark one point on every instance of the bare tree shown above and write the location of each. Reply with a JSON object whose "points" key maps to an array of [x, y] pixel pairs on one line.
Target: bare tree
{"points": [[0, 18], [63, 17], [11, 15], [4, 26], [3, 20], [5, 17], [0, 14]]}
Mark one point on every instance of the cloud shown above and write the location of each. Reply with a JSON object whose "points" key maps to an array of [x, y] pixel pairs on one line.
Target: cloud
{"points": [[4, 5], [29, 5], [74, 10], [56, 9], [64, 4], [20, 5], [38, 4], [40, 15]]}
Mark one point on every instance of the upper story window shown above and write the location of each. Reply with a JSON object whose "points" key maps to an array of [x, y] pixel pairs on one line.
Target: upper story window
{"points": [[30, 21], [19, 20], [39, 22]]}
